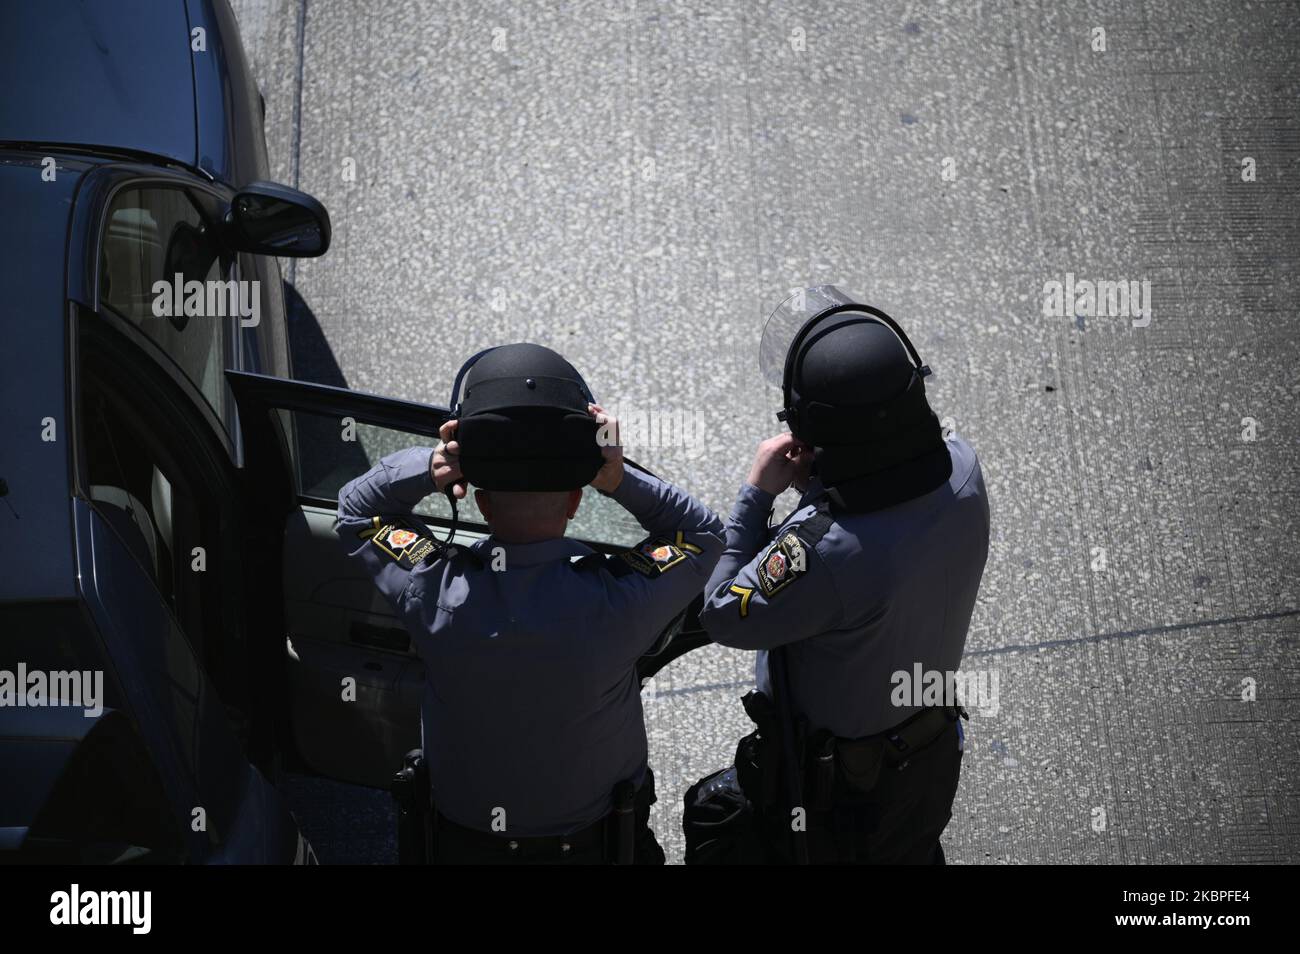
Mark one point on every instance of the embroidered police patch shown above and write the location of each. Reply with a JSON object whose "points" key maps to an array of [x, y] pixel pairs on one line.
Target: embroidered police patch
{"points": [[654, 557], [404, 545], [784, 561]]}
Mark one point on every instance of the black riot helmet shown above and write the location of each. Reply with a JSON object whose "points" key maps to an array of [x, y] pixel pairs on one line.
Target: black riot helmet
{"points": [[853, 389], [523, 421]]}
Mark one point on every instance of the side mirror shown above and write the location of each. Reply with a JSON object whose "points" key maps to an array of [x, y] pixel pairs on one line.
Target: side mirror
{"points": [[267, 218]]}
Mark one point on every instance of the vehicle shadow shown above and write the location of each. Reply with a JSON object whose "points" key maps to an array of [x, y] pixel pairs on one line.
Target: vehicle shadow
{"points": [[328, 456], [311, 355]]}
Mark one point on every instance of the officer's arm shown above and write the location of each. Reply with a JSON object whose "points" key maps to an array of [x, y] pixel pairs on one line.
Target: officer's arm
{"points": [[373, 524], [767, 590], [662, 574]]}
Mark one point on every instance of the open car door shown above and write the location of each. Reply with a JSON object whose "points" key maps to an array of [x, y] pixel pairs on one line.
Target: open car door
{"points": [[351, 674]]}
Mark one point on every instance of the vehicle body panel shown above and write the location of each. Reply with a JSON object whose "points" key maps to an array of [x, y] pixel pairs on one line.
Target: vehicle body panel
{"points": [[101, 98], [33, 380], [110, 75]]}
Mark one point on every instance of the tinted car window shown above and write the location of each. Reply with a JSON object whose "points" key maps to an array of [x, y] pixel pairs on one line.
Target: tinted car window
{"points": [[140, 490], [154, 234]]}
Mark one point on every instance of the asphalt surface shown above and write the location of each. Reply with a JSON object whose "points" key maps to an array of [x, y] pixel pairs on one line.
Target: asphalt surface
{"points": [[638, 184]]}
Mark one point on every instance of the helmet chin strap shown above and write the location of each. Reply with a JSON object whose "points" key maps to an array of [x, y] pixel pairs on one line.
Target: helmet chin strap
{"points": [[455, 515], [454, 404]]}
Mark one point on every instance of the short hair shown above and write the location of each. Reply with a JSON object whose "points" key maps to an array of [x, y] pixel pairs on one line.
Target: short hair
{"points": [[527, 508]]}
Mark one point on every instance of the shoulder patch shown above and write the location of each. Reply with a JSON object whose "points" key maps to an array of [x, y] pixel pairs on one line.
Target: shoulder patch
{"points": [[782, 563], [654, 557], [406, 544]]}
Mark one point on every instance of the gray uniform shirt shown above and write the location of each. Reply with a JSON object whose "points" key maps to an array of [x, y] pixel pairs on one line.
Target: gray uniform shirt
{"points": [[880, 593], [532, 704]]}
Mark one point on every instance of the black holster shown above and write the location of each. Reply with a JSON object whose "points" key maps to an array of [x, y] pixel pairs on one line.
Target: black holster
{"points": [[758, 755], [760, 763], [620, 826], [410, 788]]}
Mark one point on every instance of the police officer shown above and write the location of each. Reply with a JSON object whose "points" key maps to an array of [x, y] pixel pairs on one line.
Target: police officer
{"points": [[531, 715], [871, 579]]}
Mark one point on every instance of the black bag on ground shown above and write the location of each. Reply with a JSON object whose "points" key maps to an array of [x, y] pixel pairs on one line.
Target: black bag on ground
{"points": [[719, 823]]}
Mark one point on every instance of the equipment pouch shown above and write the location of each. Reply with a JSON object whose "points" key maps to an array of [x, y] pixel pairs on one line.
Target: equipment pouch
{"points": [[917, 734], [819, 771], [758, 755], [859, 762]]}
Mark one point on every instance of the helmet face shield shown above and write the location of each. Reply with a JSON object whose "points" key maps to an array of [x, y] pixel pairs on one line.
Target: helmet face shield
{"points": [[785, 323]]}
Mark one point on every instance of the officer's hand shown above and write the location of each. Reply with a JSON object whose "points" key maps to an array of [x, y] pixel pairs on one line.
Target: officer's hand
{"points": [[778, 462], [802, 471], [444, 465], [610, 474]]}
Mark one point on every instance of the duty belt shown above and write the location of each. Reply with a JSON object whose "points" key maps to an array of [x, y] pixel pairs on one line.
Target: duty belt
{"points": [[834, 768], [609, 840], [456, 843], [858, 762]]}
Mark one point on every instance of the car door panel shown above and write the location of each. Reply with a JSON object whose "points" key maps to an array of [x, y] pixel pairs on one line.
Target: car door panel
{"points": [[354, 676], [353, 680]]}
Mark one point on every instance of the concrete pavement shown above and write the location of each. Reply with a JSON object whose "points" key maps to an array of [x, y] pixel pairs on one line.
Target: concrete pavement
{"points": [[638, 184]]}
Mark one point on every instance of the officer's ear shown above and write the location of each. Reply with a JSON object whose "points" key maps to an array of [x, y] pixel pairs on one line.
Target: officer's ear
{"points": [[575, 498], [484, 501]]}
